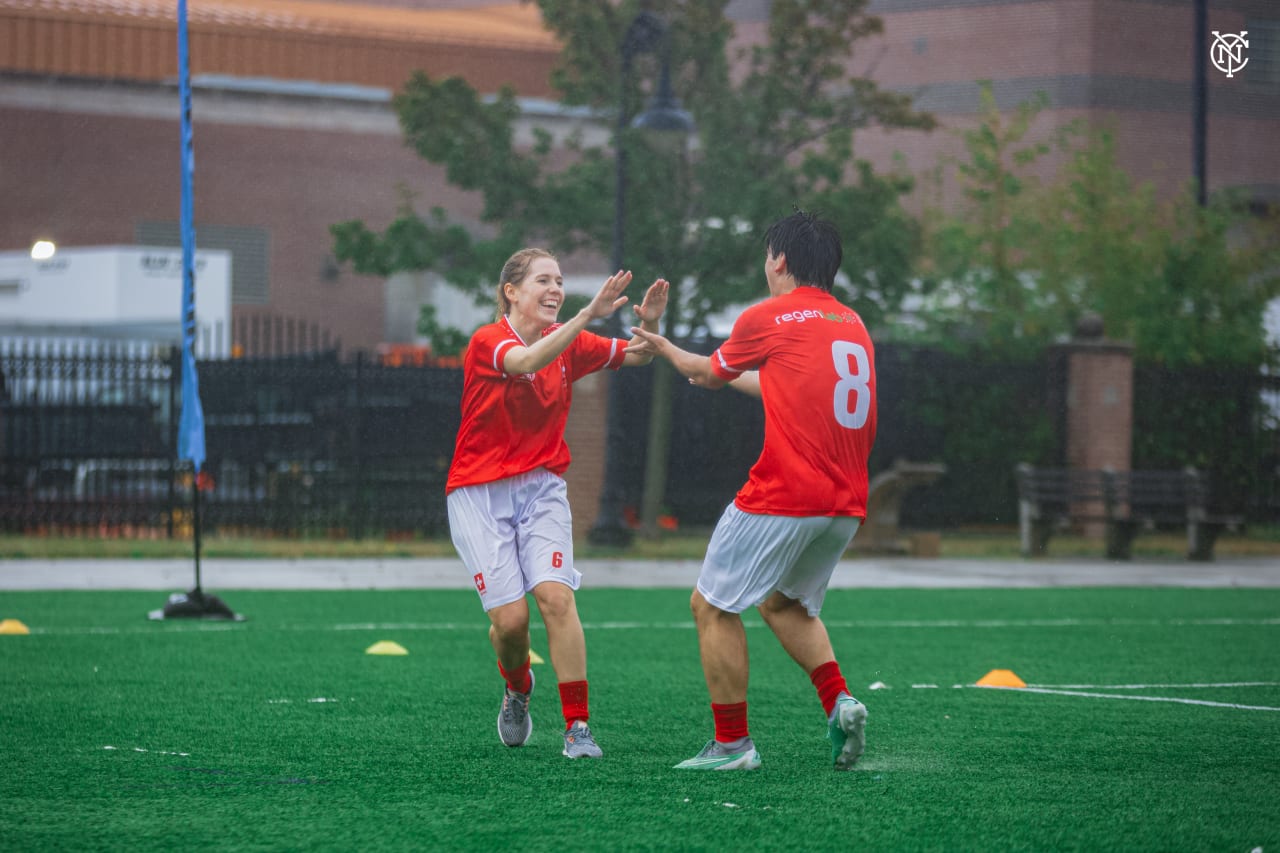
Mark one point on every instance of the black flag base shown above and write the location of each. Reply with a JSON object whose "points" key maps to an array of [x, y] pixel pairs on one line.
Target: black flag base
{"points": [[195, 604]]}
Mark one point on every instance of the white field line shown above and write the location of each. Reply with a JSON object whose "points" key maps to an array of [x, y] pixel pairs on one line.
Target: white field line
{"points": [[197, 625], [156, 751], [1206, 686], [1047, 623], [1089, 695]]}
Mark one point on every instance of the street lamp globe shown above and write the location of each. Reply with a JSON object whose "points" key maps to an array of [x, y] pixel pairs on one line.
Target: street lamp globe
{"points": [[664, 115]]}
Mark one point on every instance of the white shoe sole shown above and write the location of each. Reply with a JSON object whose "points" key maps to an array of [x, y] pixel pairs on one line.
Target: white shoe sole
{"points": [[746, 761], [853, 722]]}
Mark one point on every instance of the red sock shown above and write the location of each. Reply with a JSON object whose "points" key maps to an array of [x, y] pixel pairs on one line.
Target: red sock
{"points": [[731, 721], [517, 679], [573, 701], [830, 684]]}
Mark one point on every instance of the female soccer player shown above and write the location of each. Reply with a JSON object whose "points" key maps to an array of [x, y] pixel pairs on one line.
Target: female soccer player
{"points": [[508, 511]]}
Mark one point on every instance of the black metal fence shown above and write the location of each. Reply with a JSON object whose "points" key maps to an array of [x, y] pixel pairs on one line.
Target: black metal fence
{"points": [[321, 444], [301, 444]]}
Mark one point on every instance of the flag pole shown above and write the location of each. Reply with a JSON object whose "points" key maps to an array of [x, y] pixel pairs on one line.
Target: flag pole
{"points": [[194, 604], [195, 528]]}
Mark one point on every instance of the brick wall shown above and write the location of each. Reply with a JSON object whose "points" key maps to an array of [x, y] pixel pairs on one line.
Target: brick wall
{"points": [[1100, 406], [1099, 413], [585, 433], [89, 178], [96, 158]]}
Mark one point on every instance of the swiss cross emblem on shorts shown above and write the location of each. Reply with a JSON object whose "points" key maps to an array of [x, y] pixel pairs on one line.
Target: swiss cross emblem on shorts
{"points": [[479, 579]]}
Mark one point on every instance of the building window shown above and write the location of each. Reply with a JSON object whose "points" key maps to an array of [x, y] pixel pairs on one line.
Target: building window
{"points": [[247, 245]]}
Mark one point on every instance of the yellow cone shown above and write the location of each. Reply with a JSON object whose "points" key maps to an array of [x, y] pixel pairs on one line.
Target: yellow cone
{"points": [[13, 626], [1001, 678], [534, 657], [386, 647]]}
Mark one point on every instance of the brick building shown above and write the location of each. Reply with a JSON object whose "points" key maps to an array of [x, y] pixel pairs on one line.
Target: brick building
{"points": [[294, 131], [1119, 61]]}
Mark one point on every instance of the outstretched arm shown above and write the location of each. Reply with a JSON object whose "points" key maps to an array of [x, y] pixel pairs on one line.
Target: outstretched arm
{"points": [[748, 383], [532, 358], [649, 313], [697, 368]]}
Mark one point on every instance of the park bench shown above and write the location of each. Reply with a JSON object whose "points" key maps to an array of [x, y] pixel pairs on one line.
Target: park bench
{"points": [[1124, 502], [880, 532]]}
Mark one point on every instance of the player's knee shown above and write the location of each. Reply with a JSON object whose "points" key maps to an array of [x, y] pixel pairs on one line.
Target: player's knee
{"points": [[776, 605], [509, 624], [703, 609], [555, 601]]}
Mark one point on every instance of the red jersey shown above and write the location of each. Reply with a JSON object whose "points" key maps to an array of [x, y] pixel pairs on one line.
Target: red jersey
{"points": [[514, 424], [818, 385]]}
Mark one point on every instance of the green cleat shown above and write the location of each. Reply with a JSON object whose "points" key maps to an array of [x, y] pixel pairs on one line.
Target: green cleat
{"points": [[717, 756], [846, 731]]}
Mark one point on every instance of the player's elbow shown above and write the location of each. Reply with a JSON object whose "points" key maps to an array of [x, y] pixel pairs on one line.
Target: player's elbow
{"points": [[520, 362], [709, 380]]}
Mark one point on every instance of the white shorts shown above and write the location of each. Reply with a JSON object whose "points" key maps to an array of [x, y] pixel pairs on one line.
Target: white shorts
{"points": [[513, 534], [752, 556]]}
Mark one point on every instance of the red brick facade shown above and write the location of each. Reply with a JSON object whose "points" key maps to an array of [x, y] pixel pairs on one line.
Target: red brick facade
{"points": [[89, 124], [1099, 406]]}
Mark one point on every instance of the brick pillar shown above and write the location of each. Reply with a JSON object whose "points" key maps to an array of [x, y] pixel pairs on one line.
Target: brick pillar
{"points": [[1099, 395], [585, 433]]}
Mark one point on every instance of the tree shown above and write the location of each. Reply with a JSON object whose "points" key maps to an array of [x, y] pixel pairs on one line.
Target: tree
{"points": [[1186, 283], [1020, 262], [775, 129], [973, 281]]}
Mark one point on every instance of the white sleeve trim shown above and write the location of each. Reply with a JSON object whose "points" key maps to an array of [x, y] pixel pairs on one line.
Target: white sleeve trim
{"points": [[497, 354], [724, 365]]}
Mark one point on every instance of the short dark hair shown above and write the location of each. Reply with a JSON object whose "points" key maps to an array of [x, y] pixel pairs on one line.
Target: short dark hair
{"points": [[812, 247]]}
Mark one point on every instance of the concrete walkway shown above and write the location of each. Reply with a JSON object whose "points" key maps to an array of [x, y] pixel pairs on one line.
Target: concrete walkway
{"points": [[223, 574]]}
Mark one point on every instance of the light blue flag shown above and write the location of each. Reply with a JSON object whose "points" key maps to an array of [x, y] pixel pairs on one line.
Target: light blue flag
{"points": [[191, 422]]}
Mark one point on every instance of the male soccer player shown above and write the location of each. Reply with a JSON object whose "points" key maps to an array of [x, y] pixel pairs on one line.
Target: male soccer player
{"points": [[810, 360]]}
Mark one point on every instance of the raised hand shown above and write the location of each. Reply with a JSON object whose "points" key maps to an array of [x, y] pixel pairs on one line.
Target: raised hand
{"points": [[609, 298], [655, 302]]}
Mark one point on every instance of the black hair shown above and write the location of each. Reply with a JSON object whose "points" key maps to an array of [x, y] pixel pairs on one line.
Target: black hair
{"points": [[811, 245]]}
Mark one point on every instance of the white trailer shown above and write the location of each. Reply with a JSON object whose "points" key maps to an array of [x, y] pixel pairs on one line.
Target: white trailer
{"points": [[132, 292]]}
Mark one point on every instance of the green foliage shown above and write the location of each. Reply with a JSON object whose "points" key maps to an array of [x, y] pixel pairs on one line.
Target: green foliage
{"points": [[413, 243], [776, 135], [779, 136], [1020, 262], [973, 284], [1187, 284], [1221, 268], [445, 340]]}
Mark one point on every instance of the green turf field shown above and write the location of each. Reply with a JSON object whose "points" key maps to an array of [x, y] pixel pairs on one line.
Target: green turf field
{"points": [[280, 733]]}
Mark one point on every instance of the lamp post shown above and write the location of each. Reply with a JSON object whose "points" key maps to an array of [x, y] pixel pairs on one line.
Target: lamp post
{"points": [[1200, 101], [646, 33]]}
